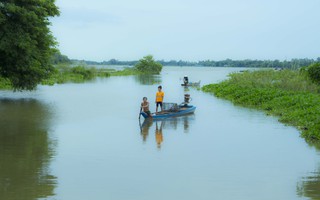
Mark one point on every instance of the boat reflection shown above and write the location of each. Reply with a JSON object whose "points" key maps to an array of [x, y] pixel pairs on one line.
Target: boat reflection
{"points": [[160, 126]]}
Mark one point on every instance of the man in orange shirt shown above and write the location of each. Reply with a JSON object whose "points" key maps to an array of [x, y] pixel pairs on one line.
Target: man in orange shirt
{"points": [[159, 98]]}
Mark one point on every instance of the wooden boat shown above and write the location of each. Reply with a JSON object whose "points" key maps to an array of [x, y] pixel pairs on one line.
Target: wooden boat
{"points": [[194, 84], [183, 109]]}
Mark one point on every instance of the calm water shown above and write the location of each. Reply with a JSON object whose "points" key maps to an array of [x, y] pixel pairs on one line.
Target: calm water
{"points": [[84, 141]]}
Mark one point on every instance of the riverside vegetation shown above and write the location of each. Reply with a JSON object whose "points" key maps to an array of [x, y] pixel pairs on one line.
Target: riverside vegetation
{"points": [[66, 72], [292, 95]]}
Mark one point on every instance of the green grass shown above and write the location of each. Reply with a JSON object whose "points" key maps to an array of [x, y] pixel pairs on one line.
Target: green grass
{"points": [[77, 74], [125, 72], [65, 73], [290, 95]]}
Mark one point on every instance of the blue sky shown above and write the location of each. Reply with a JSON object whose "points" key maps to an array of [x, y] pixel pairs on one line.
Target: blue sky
{"points": [[190, 30]]}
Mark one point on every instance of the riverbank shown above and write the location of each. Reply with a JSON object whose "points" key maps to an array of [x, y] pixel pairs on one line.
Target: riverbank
{"points": [[288, 94], [78, 74]]}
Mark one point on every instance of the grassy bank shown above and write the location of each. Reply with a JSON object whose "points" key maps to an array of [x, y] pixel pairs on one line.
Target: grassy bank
{"points": [[288, 94], [77, 74], [124, 72]]}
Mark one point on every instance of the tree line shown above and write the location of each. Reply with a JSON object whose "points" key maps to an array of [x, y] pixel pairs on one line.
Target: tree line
{"points": [[290, 64]]}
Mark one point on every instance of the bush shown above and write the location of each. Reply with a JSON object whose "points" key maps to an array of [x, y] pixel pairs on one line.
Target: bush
{"points": [[314, 72], [86, 73], [147, 65]]}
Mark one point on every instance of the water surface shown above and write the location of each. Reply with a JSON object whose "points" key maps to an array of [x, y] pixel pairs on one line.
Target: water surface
{"points": [[84, 141]]}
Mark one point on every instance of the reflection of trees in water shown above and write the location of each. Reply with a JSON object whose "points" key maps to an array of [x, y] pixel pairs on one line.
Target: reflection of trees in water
{"points": [[310, 186], [166, 124], [26, 150], [148, 79]]}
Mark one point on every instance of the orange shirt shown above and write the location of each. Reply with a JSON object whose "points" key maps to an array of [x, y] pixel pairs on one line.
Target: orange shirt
{"points": [[159, 96]]}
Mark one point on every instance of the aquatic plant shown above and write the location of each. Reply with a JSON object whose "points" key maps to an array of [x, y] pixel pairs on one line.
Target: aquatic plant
{"points": [[78, 74], [288, 94]]}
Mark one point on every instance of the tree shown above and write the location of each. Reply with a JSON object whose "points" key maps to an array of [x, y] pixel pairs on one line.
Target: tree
{"points": [[26, 43], [58, 58], [148, 65], [314, 72]]}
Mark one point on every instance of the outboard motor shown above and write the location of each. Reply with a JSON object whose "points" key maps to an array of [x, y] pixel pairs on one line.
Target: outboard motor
{"points": [[187, 98], [185, 80]]}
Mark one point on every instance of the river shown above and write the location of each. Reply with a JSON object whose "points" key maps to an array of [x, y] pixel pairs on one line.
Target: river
{"points": [[84, 141]]}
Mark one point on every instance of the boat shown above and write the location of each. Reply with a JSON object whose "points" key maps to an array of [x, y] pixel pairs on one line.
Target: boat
{"points": [[178, 110], [194, 84]]}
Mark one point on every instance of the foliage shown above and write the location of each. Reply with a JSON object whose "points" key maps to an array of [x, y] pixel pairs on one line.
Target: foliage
{"points": [[65, 73], [5, 84], [314, 72], [87, 74], [58, 58], [148, 65], [26, 43], [290, 64], [125, 72], [276, 95], [288, 80]]}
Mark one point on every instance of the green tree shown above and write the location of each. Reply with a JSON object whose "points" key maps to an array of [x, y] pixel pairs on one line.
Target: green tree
{"points": [[58, 58], [26, 43], [148, 65], [314, 72]]}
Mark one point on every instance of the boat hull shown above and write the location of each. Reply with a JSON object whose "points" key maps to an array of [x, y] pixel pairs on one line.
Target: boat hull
{"points": [[191, 84], [183, 110]]}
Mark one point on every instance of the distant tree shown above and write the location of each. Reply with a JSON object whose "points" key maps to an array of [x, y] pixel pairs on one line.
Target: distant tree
{"points": [[148, 65], [58, 58], [113, 61], [314, 72], [26, 43]]}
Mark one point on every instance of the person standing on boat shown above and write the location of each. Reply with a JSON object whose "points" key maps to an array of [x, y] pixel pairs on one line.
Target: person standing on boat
{"points": [[185, 80], [145, 106], [159, 98]]}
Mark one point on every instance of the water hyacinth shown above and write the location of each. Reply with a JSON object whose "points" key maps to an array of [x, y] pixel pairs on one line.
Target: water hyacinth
{"points": [[288, 94]]}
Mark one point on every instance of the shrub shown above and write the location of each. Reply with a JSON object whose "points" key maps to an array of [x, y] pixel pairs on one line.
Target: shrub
{"points": [[314, 72], [86, 73], [148, 65]]}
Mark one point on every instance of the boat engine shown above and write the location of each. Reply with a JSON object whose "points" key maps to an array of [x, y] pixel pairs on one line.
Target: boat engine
{"points": [[187, 98]]}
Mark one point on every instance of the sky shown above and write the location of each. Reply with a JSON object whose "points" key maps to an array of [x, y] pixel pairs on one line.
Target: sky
{"points": [[190, 30]]}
